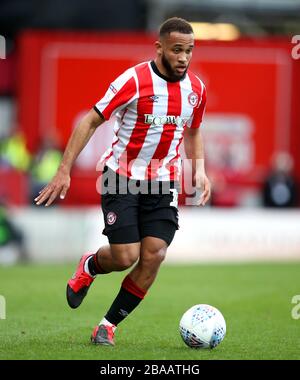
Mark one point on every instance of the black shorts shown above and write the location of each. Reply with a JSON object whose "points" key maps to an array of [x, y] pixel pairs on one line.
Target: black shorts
{"points": [[130, 217]]}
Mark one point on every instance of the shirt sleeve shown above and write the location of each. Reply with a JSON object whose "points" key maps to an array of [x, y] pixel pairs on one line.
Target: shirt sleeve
{"points": [[199, 111], [120, 92]]}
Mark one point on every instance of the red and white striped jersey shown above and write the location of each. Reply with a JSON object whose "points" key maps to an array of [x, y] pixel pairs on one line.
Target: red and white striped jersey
{"points": [[151, 115]]}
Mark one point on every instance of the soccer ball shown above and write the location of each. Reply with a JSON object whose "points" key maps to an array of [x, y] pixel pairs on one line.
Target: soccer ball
{"points": [[202, 326]]}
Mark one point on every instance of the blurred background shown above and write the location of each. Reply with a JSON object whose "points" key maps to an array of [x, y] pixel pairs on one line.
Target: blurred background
{"points": [[57, 60]]}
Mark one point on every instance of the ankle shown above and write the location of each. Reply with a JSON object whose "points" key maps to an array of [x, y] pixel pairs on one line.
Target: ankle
{"points": [[105, 322], [93, 266]]}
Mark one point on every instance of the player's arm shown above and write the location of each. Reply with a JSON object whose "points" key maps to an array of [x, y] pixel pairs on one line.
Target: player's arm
{"points": [[194, 150], [60, 183]]}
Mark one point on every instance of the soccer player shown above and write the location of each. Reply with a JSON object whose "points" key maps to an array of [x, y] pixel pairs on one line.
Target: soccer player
{"points": [[157, 104]]}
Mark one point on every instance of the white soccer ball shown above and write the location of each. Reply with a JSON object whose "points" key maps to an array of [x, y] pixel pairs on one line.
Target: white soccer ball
{"points": [[202, 326]]}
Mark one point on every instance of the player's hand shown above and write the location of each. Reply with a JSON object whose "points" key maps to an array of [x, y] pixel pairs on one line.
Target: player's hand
{"points": [[204, 187], [58, 186]]}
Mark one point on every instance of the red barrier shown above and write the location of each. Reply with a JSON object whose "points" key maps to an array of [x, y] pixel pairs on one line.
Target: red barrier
{"points": [[14, 187]]}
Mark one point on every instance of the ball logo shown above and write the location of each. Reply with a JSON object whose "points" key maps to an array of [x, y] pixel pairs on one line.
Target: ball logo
{"points": [[111, 218], [193, 99]]}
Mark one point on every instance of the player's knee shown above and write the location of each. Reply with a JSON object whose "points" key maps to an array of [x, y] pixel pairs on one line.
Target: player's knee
{"points": [[153, 256], [125, 257], [125, 262]]}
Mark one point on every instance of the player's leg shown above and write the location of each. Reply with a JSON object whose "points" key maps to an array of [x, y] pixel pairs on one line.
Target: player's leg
{"points": [[120, 213], [159, 222], [116, 257], [119, 257], [156, 236]]}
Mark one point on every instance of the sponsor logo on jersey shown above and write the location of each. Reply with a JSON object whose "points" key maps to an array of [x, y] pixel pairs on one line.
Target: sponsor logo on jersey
{"points": [[111, 218], [167, 119], [113, 89], [193, 99]]}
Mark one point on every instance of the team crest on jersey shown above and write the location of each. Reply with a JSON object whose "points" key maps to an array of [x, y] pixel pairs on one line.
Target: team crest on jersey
{"points": [[111, 218], [193, 99]]}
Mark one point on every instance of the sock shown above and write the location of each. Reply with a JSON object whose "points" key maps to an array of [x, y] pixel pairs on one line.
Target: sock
{"points": [[86, 267], [128, 298], [105, 322], [92, 267]]}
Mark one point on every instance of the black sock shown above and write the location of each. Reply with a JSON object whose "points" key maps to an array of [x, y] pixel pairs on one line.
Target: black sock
{"points": [[128, 298], [94, 266]]}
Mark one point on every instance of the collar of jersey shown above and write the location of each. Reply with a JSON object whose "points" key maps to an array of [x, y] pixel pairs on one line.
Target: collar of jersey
{"points": [[157, 72]]}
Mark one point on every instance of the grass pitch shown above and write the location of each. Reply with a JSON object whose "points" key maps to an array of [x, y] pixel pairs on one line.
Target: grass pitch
{"points": [[255, 300]]}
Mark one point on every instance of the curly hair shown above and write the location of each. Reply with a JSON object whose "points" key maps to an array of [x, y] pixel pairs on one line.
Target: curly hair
{"points": [[175, 24]]}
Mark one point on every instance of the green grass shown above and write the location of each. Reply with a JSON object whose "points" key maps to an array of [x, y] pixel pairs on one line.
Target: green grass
{"points": [[255, 300]]}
